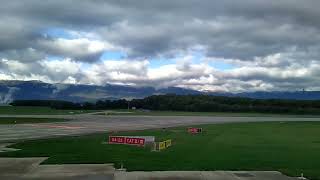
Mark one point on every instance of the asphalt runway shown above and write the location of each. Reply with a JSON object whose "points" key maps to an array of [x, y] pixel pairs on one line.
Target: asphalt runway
{"points": [[90, 123]]}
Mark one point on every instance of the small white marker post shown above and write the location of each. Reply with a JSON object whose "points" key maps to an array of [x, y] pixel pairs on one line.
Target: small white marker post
{"points": [[121, 168], [302, 177], [154, 147]]}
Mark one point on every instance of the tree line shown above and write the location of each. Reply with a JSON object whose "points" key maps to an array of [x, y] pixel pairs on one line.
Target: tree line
{"points": [[58, 104], [196, 103]]}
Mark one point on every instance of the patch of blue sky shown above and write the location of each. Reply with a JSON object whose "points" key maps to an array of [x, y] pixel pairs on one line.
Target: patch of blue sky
{"points": [[158, 62], [86, 66], [54, 58], [221, 65], [58, 33], [199, 57], [113, 55]]}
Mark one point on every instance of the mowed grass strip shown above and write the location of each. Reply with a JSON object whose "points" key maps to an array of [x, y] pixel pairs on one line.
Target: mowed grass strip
{"points": [[291, 148], [35, 110], [14, 120]]}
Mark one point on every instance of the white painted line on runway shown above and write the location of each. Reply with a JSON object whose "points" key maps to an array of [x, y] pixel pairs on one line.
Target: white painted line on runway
{"points": [[55, 126]]}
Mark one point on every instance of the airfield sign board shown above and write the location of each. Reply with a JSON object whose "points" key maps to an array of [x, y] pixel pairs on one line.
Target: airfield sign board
{"points": [[162, 145], [126, 140], [116, 140], [165, 144], [168, 143], [194, 130]]}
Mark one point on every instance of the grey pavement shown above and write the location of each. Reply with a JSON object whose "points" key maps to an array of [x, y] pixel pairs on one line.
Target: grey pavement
{"points": [[30, 169], [202, 175], [89, 123]]}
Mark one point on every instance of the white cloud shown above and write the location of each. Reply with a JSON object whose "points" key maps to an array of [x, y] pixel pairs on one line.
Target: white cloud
{"points": [[259, 76], [65, 66], [81, 49], [272, 45]]}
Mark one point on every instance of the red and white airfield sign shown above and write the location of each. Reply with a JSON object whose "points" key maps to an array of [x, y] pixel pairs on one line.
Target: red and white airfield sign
{"points": [[194, 130], [127, 140]]}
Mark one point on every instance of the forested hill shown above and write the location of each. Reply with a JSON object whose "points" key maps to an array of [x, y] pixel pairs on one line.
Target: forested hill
{"points": [[200, 103], [26, 90]]}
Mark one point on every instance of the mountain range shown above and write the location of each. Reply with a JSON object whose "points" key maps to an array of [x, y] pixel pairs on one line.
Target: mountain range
{"points": [[25, 90]]}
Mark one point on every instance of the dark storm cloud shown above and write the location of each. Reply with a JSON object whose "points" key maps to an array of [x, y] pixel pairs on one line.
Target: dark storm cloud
{"points": [[148, 28]]}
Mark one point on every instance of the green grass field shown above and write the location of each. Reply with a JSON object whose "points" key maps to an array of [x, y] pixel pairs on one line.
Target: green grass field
{"points": [[14, 120], [28, 110], [291, 148]]}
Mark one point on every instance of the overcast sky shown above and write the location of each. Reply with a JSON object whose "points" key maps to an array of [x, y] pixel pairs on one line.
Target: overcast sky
{"points": [[208, 45]]}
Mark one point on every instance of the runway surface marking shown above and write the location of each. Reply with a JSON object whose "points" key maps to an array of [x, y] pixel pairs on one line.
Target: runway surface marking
{"points": [[55, 126]]}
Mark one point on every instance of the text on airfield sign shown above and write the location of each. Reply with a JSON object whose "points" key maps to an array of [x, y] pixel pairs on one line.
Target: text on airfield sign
{"points": [[126, 140]]}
